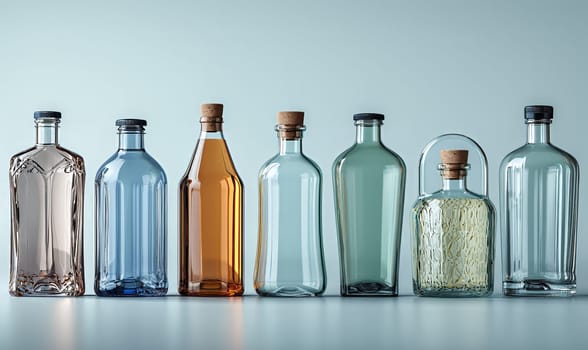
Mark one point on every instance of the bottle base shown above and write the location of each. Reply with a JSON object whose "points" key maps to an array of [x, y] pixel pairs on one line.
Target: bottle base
{"points": [[368, 288], [539, 288], [132, 292], [45, 285], [292, 291], [211, 288], [453, 292]]}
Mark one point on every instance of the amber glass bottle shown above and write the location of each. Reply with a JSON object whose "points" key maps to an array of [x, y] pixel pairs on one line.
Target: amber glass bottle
{"points": [[211, 211]]}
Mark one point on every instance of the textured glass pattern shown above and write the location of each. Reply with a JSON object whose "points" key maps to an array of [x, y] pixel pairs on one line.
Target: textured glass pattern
{"points": [[47, 206], [453, 228], [369, 185], [453, 246], [211, 226], [538, 203], [131, 225], [290, 258]]}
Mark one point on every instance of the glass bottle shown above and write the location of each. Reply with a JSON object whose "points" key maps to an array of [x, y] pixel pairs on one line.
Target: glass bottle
{"points": [[453, 234], [369, 182], [131, 219], [289, 259], [211, 215], [539, 213], [47, 207]]}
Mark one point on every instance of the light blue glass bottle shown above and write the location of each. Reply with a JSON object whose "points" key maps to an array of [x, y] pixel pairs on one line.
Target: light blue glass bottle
{"points": [[369, 184], [289, 258], [539, 213], [131, 219]]}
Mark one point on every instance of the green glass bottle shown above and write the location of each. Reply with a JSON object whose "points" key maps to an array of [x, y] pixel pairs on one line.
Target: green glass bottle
{"points": [[369, 181]]}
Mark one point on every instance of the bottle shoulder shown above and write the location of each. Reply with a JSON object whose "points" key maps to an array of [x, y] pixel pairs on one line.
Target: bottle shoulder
{"points": [[538, 155], [41, 150], [46, 159], [363, 156], [443, 199], [132, 166], [454, 195], [70, 153], [211, 160], [292, 164]]}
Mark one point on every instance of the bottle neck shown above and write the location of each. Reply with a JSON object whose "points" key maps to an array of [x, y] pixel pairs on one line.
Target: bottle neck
{"points": [[538, 133], [131, 140], [454, 184], [367, 131], [211, 135], [290, 146], [47, 132]]}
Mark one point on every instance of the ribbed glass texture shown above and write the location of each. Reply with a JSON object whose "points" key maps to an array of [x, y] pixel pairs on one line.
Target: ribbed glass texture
{"points": [[131, 221], [290, 258], [369, 182], [539, 209], [47, 207]]}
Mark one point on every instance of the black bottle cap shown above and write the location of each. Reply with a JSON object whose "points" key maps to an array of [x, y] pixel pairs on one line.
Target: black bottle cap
{"points": [[538, 112], [131, 122], [47, 114], [368, 116]]}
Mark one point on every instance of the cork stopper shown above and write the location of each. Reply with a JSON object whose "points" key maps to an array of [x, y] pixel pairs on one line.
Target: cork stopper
{"points": [[291, 118], [454, 163], [290, 124], [211, 116]]}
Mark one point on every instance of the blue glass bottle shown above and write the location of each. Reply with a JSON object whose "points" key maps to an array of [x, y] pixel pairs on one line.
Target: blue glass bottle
{"points": [[290, 258], [131, 219]]}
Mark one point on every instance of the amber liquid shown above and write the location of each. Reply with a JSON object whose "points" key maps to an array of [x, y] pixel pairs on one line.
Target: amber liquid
{"points": [[211, 211]]}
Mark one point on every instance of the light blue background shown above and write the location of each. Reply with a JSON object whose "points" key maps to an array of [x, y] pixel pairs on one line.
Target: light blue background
{"points": [[431, 67]]}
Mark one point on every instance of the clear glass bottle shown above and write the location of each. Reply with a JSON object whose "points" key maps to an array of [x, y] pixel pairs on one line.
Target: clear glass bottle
{"points": [[211, 215], [47, 207], [289, 259], [453, 234], [369, 181], [131, 219], [539, 213]]}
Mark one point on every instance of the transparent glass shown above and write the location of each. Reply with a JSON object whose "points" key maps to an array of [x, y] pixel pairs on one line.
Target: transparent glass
{"points": [[453, 229], [369, 182], [290, 259], [47, 207], [131, 221], [539, 211], [211, 221]]}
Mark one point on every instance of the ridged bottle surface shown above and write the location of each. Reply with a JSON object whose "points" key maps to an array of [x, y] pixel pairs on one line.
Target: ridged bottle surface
{"points": [[131, 219], [47, 207], [539, 213]]}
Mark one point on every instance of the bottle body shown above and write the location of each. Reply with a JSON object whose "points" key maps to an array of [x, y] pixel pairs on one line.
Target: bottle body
{"points": [[131, 225], [369, 183], [290, 258], [453, 245], [211, 212], [539, 201], [47, 206]]}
